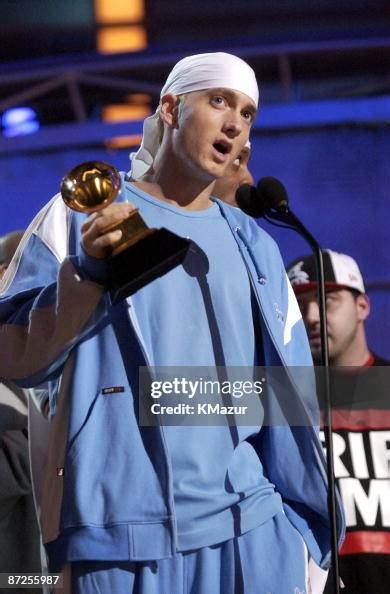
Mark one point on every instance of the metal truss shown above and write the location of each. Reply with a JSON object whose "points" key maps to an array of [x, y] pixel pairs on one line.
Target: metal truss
{"points": [[74, 89]]}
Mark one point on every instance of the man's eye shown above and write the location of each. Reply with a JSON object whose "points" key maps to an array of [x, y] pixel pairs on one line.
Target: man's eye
{"points": [[247, 115], [218, 99], [329, 299]]}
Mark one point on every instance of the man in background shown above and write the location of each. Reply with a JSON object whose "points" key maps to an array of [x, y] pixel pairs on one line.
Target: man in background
{"points": [[19, 533], [360, 415]]}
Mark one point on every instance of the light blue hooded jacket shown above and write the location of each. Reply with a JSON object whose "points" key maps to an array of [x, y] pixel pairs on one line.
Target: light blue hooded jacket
{"points": [[108, 482]]}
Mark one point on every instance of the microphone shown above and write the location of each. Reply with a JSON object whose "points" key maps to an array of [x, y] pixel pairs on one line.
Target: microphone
{"points": [[248, 200], [270, 200], [273, 194], [269, 196]]}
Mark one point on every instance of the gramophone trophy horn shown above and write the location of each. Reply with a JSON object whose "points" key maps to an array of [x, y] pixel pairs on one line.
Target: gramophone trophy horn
{"points": [[142, 254]]}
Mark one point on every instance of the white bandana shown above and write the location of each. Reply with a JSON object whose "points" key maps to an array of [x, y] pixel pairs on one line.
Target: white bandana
{"points": [[194, 73]]}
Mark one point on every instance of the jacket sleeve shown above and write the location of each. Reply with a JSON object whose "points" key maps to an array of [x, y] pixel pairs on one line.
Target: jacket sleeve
{"points": [[49, 300]]}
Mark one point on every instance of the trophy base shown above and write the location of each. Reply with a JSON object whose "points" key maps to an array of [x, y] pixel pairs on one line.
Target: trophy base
{"points": [[142, 262]]}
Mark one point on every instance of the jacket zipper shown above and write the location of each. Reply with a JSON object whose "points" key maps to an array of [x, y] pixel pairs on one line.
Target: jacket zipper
{"points": [[171, 502]]}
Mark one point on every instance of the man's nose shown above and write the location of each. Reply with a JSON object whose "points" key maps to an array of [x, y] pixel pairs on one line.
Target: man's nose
{"points": [[247, 177], [312, 313], [232, 126]]}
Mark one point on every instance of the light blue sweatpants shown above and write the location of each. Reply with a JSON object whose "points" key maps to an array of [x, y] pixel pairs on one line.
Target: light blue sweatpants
{"points": [[270, 559]]}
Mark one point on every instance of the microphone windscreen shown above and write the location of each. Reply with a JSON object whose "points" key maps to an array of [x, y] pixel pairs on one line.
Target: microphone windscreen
{"points": [[248, 200], [272, 192]]}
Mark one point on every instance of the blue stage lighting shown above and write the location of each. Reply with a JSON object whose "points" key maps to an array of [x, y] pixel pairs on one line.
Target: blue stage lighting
{"points": [[18, 121]]}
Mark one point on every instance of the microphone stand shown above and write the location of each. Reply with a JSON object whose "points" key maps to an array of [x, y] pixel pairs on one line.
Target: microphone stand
{"points": [[284, 214]]}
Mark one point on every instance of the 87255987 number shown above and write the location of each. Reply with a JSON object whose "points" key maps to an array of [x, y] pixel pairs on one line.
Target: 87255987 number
{"points": [[27, 580]]}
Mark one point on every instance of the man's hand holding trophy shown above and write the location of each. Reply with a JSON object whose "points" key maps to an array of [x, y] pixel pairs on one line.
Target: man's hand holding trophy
{"points": [[136, 254]]}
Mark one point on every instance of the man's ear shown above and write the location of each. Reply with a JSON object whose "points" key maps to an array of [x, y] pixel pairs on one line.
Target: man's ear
{"points": [[169, 109], [363, 306]]}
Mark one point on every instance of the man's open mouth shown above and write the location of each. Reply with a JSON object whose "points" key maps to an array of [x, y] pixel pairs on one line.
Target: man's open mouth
{"points": [[222, 147]]}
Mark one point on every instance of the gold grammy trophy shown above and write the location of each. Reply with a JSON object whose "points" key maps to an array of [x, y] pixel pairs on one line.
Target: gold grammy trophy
{"points": [[142, 254]]}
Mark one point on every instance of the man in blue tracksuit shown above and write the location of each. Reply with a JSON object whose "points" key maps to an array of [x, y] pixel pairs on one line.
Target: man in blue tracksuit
{"points": [[170, 509]]}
